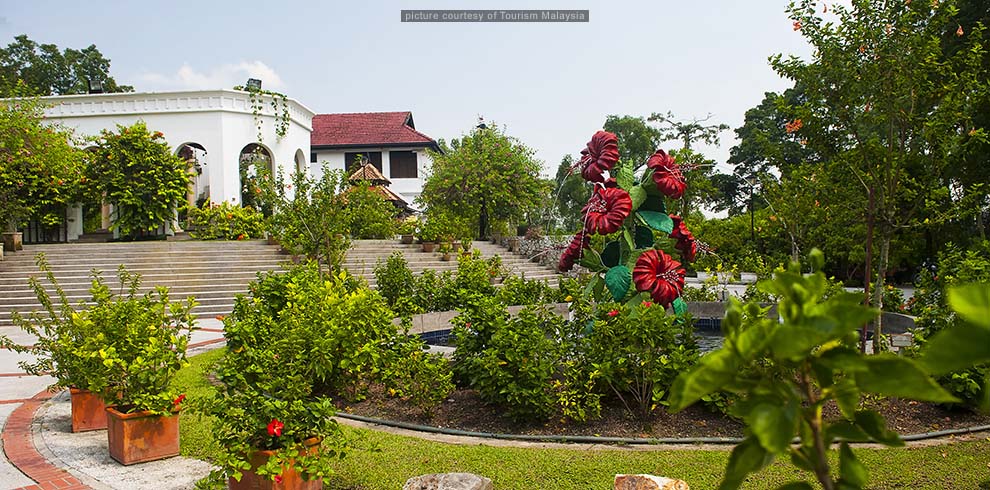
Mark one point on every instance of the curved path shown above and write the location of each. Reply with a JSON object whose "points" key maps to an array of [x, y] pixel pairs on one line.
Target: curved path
{"points": [[37, 457]]}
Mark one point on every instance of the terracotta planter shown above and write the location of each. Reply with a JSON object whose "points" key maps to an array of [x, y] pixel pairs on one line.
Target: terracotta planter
{"points": [[88, 411], [513, 245], [406, 239], [445, 257], [429, 247], [291, 480], [12, 241], [138, 437]]}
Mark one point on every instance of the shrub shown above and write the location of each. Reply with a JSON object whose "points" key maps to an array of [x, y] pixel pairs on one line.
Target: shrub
{"points": [[370, 215], [519, 291], [422, 378], [639, 351], [396, 283], [956, 266], [226, 221]]}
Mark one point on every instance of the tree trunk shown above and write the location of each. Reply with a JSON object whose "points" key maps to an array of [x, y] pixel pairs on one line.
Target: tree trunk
{"points": [[868, 268], [483, 221], [878, 288]]}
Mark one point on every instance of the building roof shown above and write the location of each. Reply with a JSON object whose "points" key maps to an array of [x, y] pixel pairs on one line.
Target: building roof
{"points": [[367, 129], [369, 173]]}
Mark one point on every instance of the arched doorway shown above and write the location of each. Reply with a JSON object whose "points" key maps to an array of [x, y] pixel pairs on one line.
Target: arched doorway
{"points": [[301, 162], [198, 189], [255, 161]]}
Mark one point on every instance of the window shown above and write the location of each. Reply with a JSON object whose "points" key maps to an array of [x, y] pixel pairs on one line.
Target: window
{"points": [[402, 164], [312, 157], [351, 159]]}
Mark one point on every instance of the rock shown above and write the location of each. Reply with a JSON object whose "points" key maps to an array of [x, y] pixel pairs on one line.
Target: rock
{"points": [[648, 482], [449, 481]]}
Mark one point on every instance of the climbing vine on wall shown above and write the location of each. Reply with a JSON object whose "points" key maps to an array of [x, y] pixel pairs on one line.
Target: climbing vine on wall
{"points": [[280, 109]]}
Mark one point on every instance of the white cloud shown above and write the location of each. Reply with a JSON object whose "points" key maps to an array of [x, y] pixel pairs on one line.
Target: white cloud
{"points": [[223, 76]]}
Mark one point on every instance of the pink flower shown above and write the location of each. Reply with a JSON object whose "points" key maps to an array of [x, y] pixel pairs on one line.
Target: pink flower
{"points": [[275, 428]]}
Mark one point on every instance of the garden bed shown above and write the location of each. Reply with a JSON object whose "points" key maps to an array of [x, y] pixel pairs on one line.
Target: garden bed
{"points": [[465, 410]]}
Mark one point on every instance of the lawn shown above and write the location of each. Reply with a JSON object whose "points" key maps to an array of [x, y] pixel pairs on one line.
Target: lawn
{"points": [[380, 460]]}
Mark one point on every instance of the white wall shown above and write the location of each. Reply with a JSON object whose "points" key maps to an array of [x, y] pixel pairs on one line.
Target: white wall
{"points": [[219, 120], [409, 189]]}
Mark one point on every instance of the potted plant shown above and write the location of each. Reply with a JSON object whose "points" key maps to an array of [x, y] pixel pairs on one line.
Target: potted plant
{"points": [[496, 271], [60, 336], [141, 344], [446, 248], [407, 229], [273, 416], [428, 234]]}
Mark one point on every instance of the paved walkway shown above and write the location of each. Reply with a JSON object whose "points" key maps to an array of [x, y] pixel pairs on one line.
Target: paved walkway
{"points": [[41, 452]]}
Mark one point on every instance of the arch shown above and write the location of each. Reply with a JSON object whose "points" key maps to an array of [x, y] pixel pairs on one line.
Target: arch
{"points": [[252, 157], [301, 162], [194, 154]]}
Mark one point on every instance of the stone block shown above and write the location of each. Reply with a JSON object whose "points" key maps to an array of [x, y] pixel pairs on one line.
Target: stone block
{"points": [[648, 482], [448, 481]]}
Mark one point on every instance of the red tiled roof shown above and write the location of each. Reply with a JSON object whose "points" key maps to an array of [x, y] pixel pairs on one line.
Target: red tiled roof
{"points": [[367, 129]]}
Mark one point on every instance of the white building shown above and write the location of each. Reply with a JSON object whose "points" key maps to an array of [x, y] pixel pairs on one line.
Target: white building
{"points": [[387, 140], [215, 127]]}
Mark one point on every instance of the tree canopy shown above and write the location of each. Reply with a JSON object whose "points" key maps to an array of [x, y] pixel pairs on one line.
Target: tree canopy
{"points": [[486, 177], [46, 70]]}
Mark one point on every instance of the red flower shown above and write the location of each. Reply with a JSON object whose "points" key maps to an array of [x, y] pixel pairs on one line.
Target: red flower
{"points": [[667, 175], [600, 155], [613, 313], [685, 240], [647, 304], [278, 479], [606, 210], [275, 428], [574, 251], [181, 398], [660, 275]]}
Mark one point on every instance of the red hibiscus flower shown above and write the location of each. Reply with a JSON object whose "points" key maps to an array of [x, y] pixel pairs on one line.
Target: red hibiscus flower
{"points": [[181, 398], [660, 275], [647, 304], [606, 210], [275, 428], [685, 240], [600, 155], [573, 252], [667, 175], [278, 479], [613, 313]]}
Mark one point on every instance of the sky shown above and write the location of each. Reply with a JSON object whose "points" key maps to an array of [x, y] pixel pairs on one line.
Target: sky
{"points": [[549, 85]]}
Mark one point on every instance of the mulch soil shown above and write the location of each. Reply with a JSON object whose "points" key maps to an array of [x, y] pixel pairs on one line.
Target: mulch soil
{"points": [[465, 410]]}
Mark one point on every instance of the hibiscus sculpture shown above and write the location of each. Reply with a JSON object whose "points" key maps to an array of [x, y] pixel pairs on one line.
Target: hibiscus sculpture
{"points": [[628, 211]]}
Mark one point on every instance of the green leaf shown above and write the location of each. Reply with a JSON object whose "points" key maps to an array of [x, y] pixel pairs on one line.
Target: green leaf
{"points": [[846, 397], [773, 426], [851, 470], [972, 302], [891, 375], [957, 347], [628, 242], [680, 307], [618, 279], [611, 253], [644, 237], [653, 202], [746, 458], [624, 177], [847, 431], [875, 426], [658, 221], [591, 260], [715, 370], [638, 196]]}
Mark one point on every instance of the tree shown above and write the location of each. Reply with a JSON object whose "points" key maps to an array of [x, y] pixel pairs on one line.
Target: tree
{"points": [[885, 105], [44, 70], [486, 176], [39, 167], [637, 139], [138, 174], [369, 214], [696, 169], [572, 194]]}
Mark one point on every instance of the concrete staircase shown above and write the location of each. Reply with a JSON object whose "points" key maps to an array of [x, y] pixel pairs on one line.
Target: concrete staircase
{"points": [[365, 254], [212, 272]]}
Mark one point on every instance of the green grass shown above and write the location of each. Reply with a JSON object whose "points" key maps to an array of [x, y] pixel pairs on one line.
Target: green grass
{"points": [[380, 460]]}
